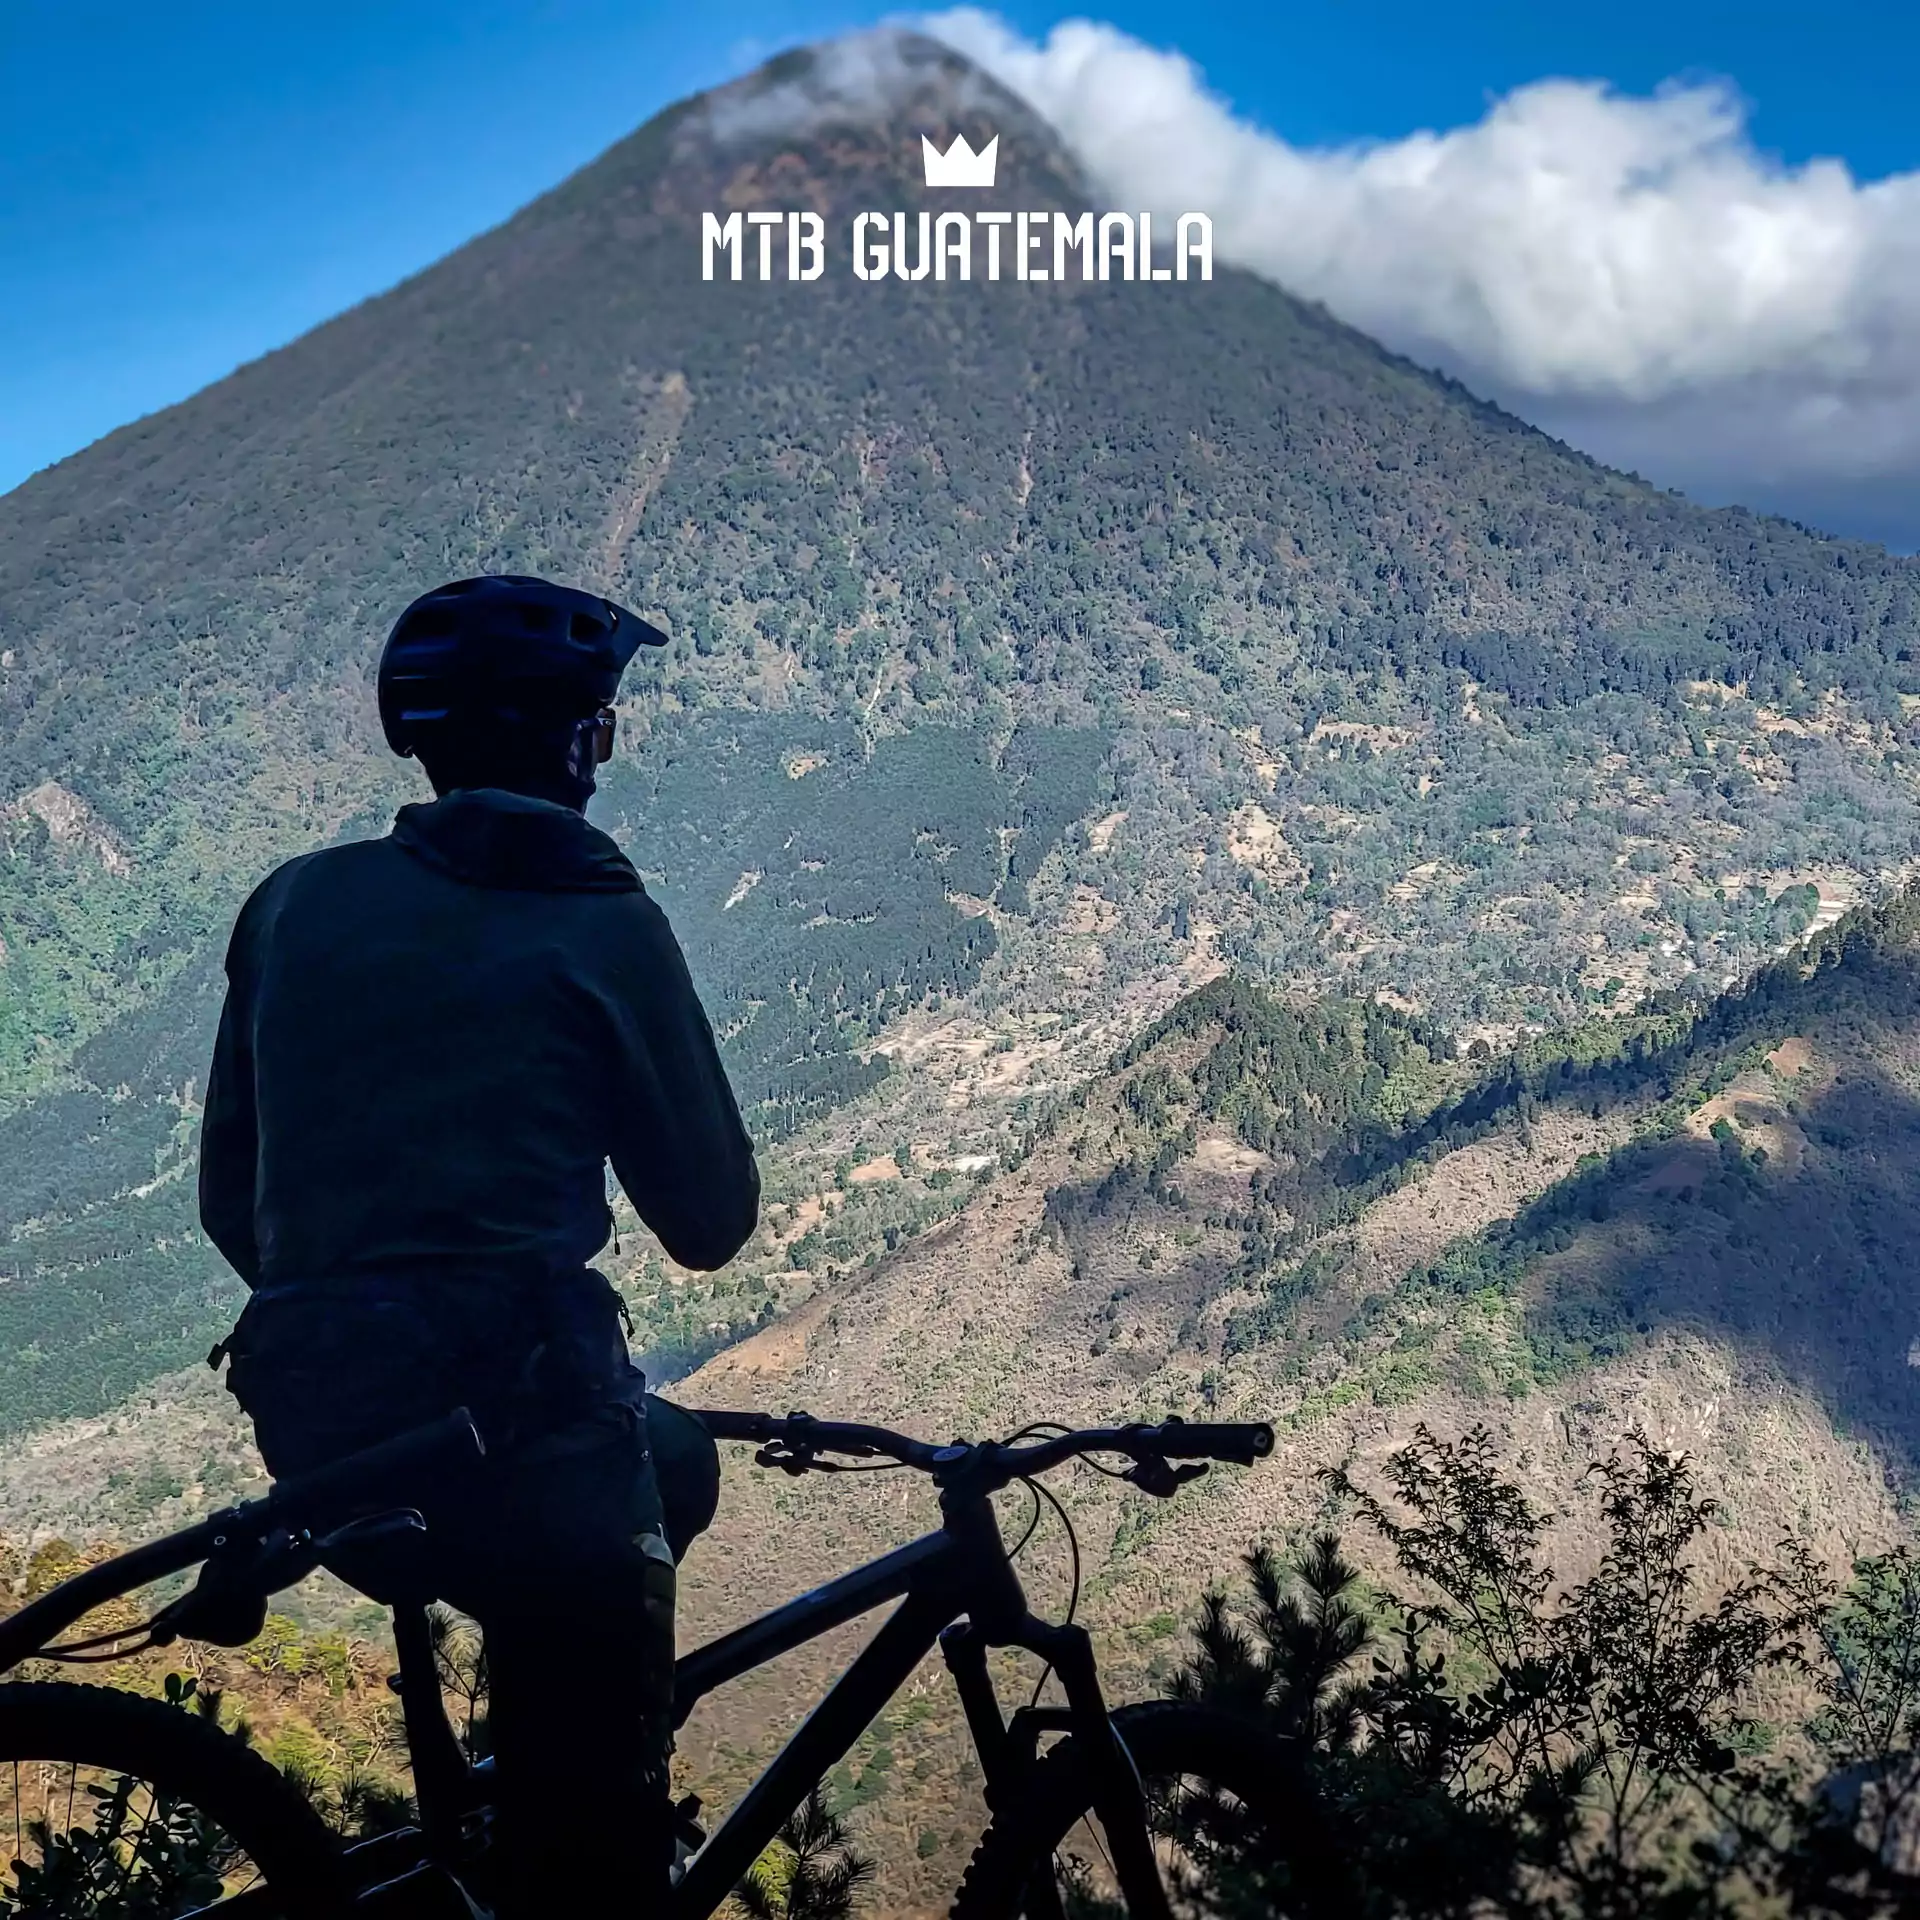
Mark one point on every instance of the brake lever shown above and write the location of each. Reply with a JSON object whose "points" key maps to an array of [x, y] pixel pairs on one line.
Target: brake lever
{"points": [[1162, 1478], [227, 1603], [789, 1459]]}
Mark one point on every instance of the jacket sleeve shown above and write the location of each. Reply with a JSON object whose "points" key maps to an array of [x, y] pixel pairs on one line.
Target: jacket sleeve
{"points": [[679, 1146], [229, 1134]]}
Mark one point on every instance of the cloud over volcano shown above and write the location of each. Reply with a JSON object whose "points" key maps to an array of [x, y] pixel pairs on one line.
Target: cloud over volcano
{"points": [[1631, 272]]}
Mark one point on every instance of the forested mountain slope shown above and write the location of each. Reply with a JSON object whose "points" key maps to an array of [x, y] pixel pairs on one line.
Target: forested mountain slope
{"points": [[1170, 620], [1260, 1198], [1703, 1222]]}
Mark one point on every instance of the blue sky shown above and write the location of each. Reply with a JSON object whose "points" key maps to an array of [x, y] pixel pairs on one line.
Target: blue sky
{"points": [[182, 189]]}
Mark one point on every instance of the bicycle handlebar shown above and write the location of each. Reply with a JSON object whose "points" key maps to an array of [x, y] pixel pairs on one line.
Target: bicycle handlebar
{"points": [[826, 1436], [312, 1500], [1239, 1444]]}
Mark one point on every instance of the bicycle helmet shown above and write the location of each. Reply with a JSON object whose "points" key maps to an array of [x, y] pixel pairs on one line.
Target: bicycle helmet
{"points": [[503, 648]]}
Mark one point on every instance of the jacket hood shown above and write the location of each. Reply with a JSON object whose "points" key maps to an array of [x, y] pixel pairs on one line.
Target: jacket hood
{"points": [[489, 838]]}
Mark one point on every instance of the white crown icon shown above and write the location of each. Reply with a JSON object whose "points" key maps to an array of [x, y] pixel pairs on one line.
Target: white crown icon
{"points": [[960, 166]]}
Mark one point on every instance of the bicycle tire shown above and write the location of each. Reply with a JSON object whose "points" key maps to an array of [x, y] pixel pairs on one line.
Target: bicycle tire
{"points": [[1166, 1739], [150, 1740]]}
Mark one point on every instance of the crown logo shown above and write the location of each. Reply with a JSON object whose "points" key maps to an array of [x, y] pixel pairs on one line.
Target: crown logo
{"points": [[960, 166]]}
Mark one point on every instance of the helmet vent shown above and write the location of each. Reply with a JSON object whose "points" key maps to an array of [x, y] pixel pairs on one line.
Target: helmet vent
{"points": [[527, 651]]}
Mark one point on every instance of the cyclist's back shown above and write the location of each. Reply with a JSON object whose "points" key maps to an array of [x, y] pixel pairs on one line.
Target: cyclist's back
{"points": [[499, 1006]]}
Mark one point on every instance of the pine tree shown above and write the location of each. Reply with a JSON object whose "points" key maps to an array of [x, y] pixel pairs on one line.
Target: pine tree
{"points": [[810, 1873]]}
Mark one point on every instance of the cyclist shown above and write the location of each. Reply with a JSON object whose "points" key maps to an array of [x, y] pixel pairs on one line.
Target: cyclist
{"points": [[432, 1045]]}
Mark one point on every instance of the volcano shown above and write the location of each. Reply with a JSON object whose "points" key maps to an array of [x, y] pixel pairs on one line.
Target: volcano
{"points": [[1041, 649]]}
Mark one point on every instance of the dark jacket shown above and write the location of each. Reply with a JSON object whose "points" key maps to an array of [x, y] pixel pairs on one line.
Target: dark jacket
{"points": [[432, 1044]]}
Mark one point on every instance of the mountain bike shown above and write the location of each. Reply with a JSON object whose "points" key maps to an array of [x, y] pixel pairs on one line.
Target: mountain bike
{"points": [[1091, 1810]]}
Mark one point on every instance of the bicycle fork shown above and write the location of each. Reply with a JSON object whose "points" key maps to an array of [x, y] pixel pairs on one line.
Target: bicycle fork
{"points": [[1008, 1752]]}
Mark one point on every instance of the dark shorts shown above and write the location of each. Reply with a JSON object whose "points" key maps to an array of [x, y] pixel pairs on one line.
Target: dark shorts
{"points": [[576, 1448]]}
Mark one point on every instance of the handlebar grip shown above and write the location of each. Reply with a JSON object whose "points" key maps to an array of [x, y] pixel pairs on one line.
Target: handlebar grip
{"points": [[1238, 1443]]}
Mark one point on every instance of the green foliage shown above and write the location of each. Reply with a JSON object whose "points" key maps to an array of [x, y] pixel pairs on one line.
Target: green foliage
{"points": [[1660, 1063], [854, 1784], [855, 849], [135, 1854], [1588, 1754], [280, 1647], [1319, 1089], [460, 1659], [1872, 1678], [1868, 1725], [122, 1849], [299, 1752], [810, 1873]]}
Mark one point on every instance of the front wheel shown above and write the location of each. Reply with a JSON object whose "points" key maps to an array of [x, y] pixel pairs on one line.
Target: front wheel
{"points": [[117, 1806], [1231, 1815]]}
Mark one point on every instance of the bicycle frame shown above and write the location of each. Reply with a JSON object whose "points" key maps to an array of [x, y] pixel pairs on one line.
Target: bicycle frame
{"points": [[958, 1591]]}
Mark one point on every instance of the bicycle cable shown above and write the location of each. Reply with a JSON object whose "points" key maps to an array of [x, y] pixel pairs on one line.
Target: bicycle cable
{"points": [[1054, 1426], [73, 1657], [76, 1649], [1033, 1493], [1073, 1601], [1033, 1522]]}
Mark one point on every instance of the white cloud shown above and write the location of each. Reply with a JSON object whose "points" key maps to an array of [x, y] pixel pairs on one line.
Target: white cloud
{"points": [[858, 73], [1632, 271]]}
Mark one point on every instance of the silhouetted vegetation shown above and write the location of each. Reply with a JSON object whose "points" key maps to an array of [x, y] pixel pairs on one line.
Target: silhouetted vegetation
{"points": [[811, 1872], [1632, 1743]]}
